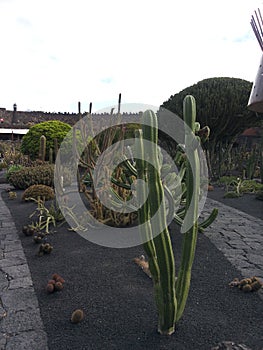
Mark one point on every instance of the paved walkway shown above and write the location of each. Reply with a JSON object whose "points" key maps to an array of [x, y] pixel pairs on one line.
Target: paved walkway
{"points": [[21, 326], [239, 236]]}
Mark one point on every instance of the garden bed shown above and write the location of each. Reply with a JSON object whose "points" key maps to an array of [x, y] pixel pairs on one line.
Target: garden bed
{"points": [[247, 202], [117, 297]]}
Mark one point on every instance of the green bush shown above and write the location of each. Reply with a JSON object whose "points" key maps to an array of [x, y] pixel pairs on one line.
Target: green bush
{"points": [[12, 169], [52, 129], [39, 191], [37, 175]]}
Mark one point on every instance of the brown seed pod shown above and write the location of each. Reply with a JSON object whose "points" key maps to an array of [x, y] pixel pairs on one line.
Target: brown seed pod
{"points": [[50, 288], [77, 316], [58, 286]]}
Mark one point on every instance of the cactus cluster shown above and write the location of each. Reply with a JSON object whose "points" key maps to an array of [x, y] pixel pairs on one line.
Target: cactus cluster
{"points": [[39, 237], [12, 195], [45, 248], [38, 191], [251, 284], [28, 230], [56, 283], [87, 163]]}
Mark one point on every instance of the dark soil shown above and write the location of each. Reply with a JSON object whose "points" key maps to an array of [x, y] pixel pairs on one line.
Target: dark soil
{"points": [[117, 297], [247, 202]]}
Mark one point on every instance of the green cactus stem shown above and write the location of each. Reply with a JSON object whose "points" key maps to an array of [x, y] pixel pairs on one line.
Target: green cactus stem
{"points": [[50, 156], [42, 147], [192, 198], [207, 222], [158, 248], [56, 147]]}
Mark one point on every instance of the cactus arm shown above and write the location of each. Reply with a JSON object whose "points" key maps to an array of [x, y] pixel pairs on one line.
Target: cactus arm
{"points": [[120, 184], [171, 207], [165, 298], [128, 165], [144, 214], [207, 222], [192, 196]]}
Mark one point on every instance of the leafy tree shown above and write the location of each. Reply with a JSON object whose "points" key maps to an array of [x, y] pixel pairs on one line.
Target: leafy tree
{"points": [[52, 130], [221, 104]]}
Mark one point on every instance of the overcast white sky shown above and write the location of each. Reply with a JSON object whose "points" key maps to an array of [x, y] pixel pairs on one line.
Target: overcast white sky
{"points": [[55, 53]]}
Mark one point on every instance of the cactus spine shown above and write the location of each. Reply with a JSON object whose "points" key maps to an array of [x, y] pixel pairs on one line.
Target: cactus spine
{"points": [[42, 147], [159, 248], [192, 196]]}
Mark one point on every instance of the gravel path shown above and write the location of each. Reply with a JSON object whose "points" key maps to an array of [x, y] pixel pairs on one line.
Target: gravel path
{"points": [[117, 297]]}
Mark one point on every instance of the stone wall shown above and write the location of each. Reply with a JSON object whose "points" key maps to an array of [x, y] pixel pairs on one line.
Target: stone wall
{"points": [[20, 119]]}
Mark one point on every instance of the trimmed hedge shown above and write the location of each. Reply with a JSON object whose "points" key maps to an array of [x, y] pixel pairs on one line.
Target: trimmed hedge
{"points": [[53, 129], [37, 175]]}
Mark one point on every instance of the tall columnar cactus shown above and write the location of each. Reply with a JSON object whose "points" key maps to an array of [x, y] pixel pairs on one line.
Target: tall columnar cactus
{"points": [[192, 199], [158, 248], [55, 147], [170, 293], [42, 147], [50, 155]]}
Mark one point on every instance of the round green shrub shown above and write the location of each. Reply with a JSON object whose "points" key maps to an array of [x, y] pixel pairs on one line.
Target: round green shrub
{"points": [[36, 175], [52, 129], [39, 191]]}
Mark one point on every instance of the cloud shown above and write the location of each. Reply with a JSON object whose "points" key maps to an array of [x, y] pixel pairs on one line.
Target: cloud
{"points": [[24, 22], [107, 80], [91, 51]]}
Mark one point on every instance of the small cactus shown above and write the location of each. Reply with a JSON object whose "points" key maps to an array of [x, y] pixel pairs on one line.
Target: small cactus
{"points": [[77, 316], [55, 276], [12, 195], [247, 288], [50, 288], [256, 285], [37, 238], [28, 230], [56, 283], [58, 286], [45, 248], [251, 284], [42, 148], [52, 282]]}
